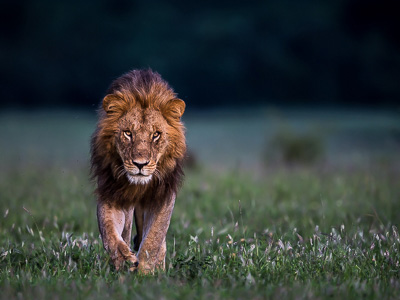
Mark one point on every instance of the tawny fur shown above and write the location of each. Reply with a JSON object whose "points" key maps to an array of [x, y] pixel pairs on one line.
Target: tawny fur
{"points": [[136, 155]]}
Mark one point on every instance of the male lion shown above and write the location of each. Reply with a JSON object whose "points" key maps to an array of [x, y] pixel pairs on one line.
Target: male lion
{"points": [[137, 150]]}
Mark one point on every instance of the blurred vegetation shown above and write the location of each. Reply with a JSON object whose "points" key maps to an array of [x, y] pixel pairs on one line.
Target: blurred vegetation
{"points": [[291, 148], [212, 52]]}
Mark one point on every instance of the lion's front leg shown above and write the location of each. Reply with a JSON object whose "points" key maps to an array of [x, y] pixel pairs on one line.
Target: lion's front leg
{"points": [[153, 245], [115, 228], [161, 255]]}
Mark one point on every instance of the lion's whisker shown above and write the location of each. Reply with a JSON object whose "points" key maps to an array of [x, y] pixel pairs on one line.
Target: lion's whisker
{"points": [[120, 172], [157, 173]]}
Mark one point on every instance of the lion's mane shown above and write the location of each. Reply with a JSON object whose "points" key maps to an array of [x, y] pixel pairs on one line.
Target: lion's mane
{"points": [[144, 89]]}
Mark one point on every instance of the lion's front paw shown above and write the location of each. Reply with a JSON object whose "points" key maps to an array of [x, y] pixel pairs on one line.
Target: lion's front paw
{"points": [[133, 262], [123, 254]]}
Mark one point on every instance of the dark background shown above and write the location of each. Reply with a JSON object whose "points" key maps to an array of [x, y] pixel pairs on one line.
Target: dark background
{"points": [[214, 53]]}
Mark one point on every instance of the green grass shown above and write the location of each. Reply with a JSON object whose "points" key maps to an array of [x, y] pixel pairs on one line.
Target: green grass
{"points": [[317, 232], [294, 234]]}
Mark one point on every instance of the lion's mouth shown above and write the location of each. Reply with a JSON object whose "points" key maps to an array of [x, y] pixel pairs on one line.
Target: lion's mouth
{"points": [[138, 178]]}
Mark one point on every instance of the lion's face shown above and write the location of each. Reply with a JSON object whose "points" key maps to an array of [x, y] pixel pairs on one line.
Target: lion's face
{"points": [[141, 141], [139, 135]]}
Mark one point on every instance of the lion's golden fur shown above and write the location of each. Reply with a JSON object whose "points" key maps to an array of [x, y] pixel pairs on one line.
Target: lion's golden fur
{"points": [[137, 90]]}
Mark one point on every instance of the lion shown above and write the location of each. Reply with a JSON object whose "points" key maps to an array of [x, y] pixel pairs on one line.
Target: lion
{"points": [[136, 157]]}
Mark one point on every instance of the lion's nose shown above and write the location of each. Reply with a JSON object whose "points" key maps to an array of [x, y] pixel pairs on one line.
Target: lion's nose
{"points": [[140, 165]]}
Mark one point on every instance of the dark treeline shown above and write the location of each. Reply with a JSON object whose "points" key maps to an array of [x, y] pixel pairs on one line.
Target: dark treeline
{"points": [[212, 52]]}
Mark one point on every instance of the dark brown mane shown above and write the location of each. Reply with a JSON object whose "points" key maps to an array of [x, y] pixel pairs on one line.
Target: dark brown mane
{"points": [[144, 89]]}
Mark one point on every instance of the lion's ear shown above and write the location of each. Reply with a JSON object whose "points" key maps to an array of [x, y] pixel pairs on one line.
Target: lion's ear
{"points": [[175, 108], [110, 103]]}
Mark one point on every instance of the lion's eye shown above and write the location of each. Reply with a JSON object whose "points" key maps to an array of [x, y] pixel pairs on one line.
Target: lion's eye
{"points": [[156, 135], [128, 134]]}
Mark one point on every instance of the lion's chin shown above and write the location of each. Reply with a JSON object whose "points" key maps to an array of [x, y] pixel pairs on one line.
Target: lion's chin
{"points": [[138, 179]]}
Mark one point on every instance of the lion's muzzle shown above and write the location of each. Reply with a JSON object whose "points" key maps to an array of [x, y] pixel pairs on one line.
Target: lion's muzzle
{"points": [[139, 171]]}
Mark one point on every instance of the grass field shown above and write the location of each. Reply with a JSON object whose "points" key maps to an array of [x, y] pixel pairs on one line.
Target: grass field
{"points": [[239, 231]]}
